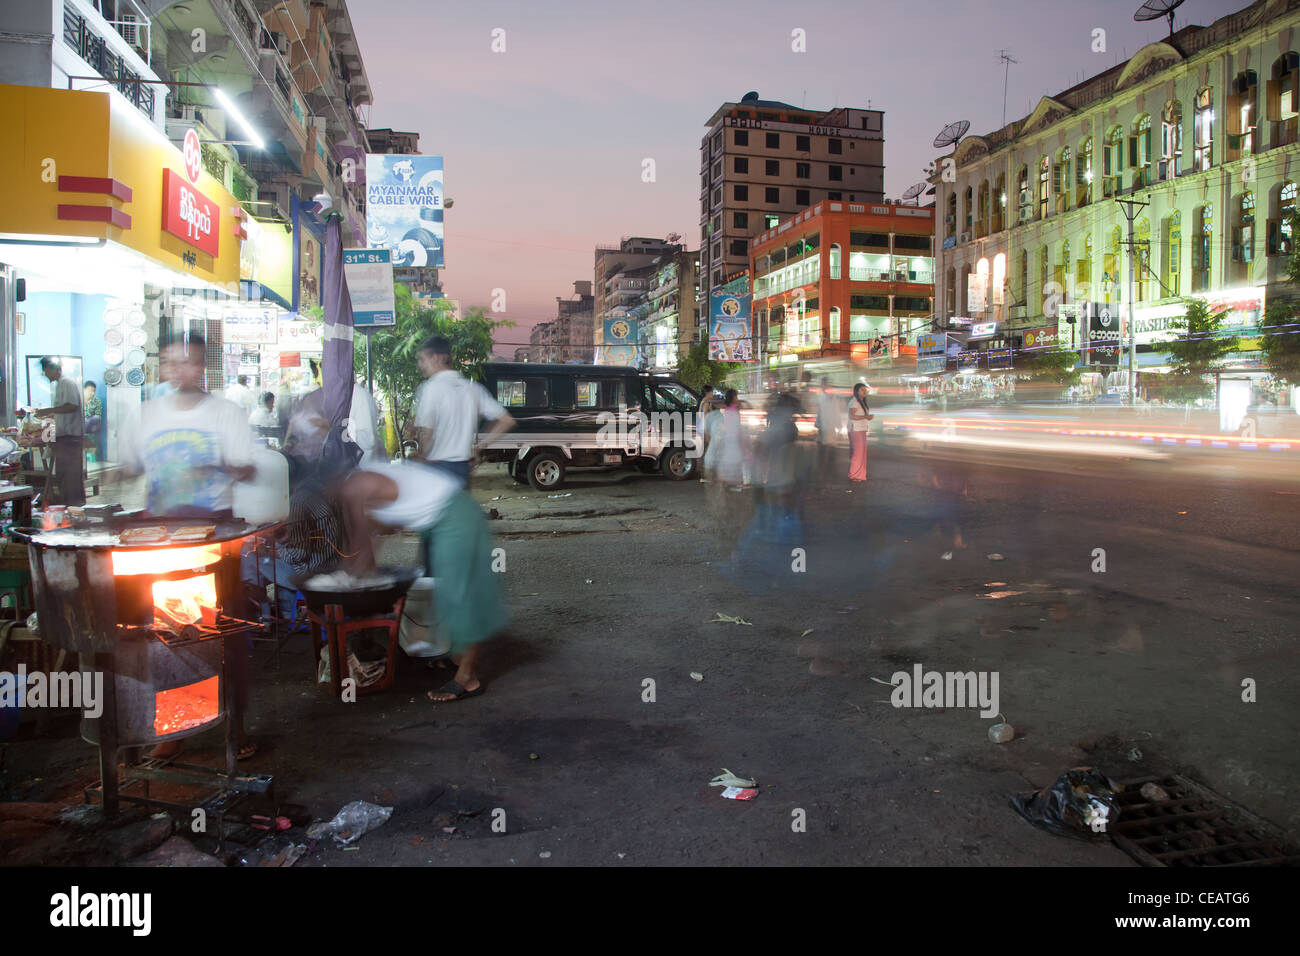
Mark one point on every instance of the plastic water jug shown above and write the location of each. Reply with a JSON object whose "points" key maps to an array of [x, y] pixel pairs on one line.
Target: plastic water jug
{"points": [[418, 635], [264, 498]]}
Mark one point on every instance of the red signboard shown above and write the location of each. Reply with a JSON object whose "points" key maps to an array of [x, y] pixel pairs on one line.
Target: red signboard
{"points": [[190, 215], [290, 359], [1039, 338]]}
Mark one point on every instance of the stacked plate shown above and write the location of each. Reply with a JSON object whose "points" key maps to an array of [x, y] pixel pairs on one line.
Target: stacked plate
{"points": [[125, 340]]}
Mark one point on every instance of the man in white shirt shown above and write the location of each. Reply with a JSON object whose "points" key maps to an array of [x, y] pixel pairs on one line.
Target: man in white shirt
{"points": [[448, 409], [69, 433], [265, 415], [242, 395], [191, 446]]}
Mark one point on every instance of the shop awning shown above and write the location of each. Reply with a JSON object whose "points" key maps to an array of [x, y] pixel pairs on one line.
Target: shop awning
{"points": [[256, 292]]}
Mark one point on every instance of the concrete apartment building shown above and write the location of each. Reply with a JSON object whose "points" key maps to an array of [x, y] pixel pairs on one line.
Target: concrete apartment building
{"points": [[1202, 128], [567, 337], [762, 161], [632, 252]]}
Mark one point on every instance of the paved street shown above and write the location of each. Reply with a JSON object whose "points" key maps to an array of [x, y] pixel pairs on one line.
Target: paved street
{"points": [[618, 580]]}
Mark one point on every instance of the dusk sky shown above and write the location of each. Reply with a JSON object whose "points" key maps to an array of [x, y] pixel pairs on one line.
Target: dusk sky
{"points": [[544, 143]]}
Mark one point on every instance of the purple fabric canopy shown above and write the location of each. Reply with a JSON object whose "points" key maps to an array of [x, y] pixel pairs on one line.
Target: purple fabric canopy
{"points": [[336, 369]]}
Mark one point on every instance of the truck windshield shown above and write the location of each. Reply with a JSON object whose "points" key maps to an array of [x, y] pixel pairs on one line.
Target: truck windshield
{"points": [[671, 397]]}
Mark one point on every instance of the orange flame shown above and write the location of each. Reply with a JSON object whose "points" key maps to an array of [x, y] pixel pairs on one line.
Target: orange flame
{"points": [[166, 560]]}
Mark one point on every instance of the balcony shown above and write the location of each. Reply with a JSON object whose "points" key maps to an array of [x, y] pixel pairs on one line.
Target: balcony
{"points": [[97, 51]]}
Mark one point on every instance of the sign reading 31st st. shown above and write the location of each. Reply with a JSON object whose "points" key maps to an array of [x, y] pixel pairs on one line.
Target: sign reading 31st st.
{"points": [[369, 274]]}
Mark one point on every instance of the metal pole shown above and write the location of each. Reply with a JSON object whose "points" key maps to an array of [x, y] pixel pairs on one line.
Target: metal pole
{"points": [[370, 386], [1131, 207]]}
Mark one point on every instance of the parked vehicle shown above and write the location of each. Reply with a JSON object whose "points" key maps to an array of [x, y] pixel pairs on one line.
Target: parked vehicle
{"points": [[591, 416]]}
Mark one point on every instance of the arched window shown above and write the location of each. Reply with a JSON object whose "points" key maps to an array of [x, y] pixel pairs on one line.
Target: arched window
{"points": [[1203, 130], [835, 260], [1063, 178], [1243, 115], [1171, 141], [1142, 261], [1112, 161], [1000, 203], [1044, 179], [981, 301], [999, 279], [835, 323], [1284, 99], [1173, 249], [1202, 248], [1243, 232], [1139, 150], [982, 210], [1025, 195], [1281, 228], [1083, 174], [1083, 271], [969, 210], [950, 293], [950, 221]]}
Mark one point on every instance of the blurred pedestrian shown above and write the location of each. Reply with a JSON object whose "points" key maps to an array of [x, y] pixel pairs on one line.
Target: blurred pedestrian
{"points": [[730, 469], [859, 417], [830, 419], [471, 605], [69, 433], [265, 415], [448, 410], [711, 426], [242, 395]]}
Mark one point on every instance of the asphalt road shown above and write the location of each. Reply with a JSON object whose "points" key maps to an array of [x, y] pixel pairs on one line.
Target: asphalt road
{"points": [[1134, 669]]}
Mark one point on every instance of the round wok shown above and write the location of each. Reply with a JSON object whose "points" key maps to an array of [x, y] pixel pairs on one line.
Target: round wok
{"points": [[364, 601]]}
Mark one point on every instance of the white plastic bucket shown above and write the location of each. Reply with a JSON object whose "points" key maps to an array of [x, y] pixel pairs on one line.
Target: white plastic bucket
{"points": [[418, 635]]}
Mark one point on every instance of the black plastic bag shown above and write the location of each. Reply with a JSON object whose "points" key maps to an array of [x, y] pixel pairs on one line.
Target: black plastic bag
{"points": [[1081, 804]]}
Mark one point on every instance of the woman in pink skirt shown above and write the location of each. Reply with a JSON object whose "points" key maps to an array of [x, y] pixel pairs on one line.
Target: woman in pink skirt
{"points": [[859, 416]]}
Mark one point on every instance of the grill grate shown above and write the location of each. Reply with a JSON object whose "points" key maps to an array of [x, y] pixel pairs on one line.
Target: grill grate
{"points": [[1195, 827]]}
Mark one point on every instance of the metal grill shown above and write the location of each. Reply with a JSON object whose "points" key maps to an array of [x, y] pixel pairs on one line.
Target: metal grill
{"points": [[1195, 827]]}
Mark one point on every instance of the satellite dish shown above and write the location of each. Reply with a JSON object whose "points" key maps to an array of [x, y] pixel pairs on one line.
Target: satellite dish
{"points": [[953, 132], [931, 191], [750, 97], [913, 191], [673, 237], [1155, 9]]}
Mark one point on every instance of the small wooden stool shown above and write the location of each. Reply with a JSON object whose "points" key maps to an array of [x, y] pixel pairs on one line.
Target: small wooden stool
{"points": [[333, 630]]}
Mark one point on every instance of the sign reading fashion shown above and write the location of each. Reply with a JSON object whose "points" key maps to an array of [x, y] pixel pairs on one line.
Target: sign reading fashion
{"points": [[190, 215], [404, 208]]}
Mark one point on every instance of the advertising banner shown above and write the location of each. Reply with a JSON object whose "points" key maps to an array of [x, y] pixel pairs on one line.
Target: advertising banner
{"points": [[369, 275], [302, 335], [999, 359], [968, 361], [1103, 332], [931, 353], [977, 284], [729, 326], [404, 208], [620, 341]]}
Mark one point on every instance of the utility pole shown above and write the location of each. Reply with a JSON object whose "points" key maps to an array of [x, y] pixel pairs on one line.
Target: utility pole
{"points": [[1005, 57], [1131, 207]]}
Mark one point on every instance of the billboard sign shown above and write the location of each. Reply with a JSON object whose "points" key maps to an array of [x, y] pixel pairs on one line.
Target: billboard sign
{"points": [[1040, 338], [189, 215], [1103, 332], [729, 326], [369, 274], [620, 340], [404, 208], [247, 327], [931, 353]]}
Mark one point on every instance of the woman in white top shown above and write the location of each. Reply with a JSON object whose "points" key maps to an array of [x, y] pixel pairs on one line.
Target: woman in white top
{"points": [[859, 416]]}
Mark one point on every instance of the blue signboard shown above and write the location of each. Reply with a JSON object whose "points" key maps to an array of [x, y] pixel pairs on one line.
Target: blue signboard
{"points": [[369, 274], [404, 208], [931, 353], [729, 326], [620, 346]]}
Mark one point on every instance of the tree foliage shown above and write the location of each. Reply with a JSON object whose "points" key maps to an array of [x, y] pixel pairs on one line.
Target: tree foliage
{"points": [[395, 360], [696, 369], [1056, 365], [1195, 351], [1281, 346]]}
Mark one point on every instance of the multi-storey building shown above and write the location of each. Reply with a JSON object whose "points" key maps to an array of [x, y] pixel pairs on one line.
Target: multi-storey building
{"points": [[392, 141], [670, 324], [762, 161], [632, 252], [852, 280], [1198, 129], [573, 324]]}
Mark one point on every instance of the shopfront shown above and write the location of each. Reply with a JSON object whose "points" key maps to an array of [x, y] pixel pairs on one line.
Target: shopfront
{"points": [[107, 223]]}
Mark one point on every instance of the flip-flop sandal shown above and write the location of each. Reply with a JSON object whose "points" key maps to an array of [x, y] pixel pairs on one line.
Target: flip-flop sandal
{"points": [[247, 751], [452, 687]]}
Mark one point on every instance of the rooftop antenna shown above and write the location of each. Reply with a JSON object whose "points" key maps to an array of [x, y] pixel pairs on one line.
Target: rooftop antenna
{"points": [[1004, 56], [1155, 9]]}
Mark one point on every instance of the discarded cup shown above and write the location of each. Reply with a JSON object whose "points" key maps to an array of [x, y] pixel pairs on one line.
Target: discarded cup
{"points": [[1002, 733]]}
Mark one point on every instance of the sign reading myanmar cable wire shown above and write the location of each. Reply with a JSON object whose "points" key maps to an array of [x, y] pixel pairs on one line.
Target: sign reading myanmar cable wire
{"points": [[189, 215]]}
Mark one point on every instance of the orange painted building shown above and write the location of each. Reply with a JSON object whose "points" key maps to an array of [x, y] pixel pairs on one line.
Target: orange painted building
{"points": [[852, 280]]}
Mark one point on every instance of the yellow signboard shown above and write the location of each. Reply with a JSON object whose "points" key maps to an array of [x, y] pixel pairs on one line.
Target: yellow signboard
{"points": [[83, 164]]}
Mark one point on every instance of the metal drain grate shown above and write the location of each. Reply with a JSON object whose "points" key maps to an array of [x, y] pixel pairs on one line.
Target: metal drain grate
{"points": [[1195, 827]]}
